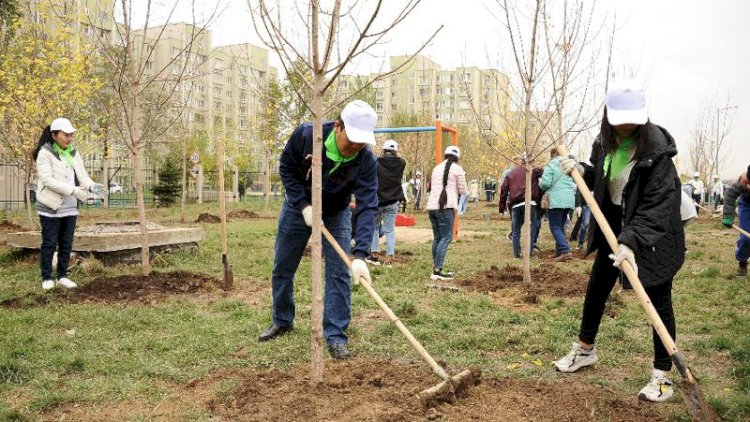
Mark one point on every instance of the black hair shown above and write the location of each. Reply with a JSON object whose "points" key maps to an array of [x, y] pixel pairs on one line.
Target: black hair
{"points": [[44, 138], [449, 159], [640, 136]]}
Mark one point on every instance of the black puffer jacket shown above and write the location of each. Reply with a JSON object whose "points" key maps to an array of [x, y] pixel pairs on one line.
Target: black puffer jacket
{"points": [[651, 224], [390, 172]]}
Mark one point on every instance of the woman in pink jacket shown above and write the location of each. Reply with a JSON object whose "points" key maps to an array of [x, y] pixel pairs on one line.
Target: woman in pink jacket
{"points": [[447, 184]]}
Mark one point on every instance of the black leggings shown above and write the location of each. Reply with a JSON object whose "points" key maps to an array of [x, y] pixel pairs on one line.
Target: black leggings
{"points": [[603, 278]]}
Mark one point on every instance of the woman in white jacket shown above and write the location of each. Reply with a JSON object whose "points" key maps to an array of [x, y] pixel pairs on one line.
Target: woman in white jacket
{"points": [[62, 181], [448, 183]]}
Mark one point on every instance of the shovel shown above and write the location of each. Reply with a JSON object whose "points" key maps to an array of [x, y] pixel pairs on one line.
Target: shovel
{"points": [[734, 226], [450, 387], [226, 268], [698, 408]]}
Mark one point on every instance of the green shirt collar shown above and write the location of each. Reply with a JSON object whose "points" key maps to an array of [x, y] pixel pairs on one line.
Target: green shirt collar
{"points": [[333, 154]]}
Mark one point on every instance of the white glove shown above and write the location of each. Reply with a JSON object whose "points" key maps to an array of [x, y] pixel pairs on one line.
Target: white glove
{"points": [[81, 194], [307, 215], [625, 253], [578, 212], [97, 188], [359, 269], [567, 164]]}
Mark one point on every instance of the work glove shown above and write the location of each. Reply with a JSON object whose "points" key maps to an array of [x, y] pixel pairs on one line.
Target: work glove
{"points": [[578, 212], [727, 222], [80, 193], [359, 269], [567, 164], [307, 215], [625, 253], [97, 188]]}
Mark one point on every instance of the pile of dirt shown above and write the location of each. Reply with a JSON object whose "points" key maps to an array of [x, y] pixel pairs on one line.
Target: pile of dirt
{"points": [[122, 289], [381, 390], [208, 218], [11, 227], [243, 214], [549, 279]]}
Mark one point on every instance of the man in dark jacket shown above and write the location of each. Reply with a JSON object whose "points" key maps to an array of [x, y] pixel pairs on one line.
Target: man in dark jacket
{"points": [[390, 172], [348, 168], [738, 196], [512, 194]]}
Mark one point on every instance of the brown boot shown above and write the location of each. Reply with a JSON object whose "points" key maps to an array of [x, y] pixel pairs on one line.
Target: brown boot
{"points": [[567, 256]]}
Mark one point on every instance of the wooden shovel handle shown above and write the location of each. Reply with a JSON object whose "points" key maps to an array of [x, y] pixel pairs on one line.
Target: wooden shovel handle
{"points": [[640, 292], [437, 369]]}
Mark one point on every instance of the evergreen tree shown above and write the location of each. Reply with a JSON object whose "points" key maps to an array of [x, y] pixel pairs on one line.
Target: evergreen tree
{"points": [[169, 188]]}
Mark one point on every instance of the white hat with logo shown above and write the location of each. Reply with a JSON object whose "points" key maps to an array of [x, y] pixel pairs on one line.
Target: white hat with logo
{"points": [[62, 124], [626, 103], [359, 121], [453, 150], [390, 145]]}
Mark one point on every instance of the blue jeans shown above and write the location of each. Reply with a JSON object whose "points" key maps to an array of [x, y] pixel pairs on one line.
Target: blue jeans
{"points": [[442, 233], [57, 233], [291, 240], [557, 217], [743, 243], [585, 219], [385, 224], [517, 222]]}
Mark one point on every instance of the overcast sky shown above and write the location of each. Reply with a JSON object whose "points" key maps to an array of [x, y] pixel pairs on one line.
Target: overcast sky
{"points": [[687, 51]]}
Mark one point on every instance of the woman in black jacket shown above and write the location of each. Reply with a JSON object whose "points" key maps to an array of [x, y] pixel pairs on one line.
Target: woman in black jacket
{"points": [[636, 185]]}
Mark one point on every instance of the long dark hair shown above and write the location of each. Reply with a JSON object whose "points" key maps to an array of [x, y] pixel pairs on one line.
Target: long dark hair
{"points": [[449, 159], [640, 137], [44, 138]]}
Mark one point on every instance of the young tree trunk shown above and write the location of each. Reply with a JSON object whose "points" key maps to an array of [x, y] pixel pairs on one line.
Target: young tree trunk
{"points": [[141, 204], [526, 234], [183, 166], [266, 179], [27, 195], [315, 241]]}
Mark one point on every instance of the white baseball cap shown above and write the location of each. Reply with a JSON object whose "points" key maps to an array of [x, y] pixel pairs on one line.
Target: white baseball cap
{"points": [[359, 121], [453, 150], [696, 174], [626, 104], [62, 124], [390, 145]]}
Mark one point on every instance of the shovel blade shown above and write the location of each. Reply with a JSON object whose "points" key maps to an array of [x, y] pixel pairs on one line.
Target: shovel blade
{"points": [[698, 409]]}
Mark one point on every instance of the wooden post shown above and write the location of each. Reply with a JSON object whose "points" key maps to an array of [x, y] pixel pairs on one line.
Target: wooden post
{"points": [[199, 184], [235, 184]]}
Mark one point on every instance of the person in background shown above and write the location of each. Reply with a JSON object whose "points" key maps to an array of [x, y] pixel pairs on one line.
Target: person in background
{"points": [[698, 189], [561, 192], [349, 168], [390, 172], [62, 181], [416, 184], [738, 196], [512, 194], [488, 188], [447, 183], [717, 192], [635, 184], [583, 212], [405, 188], [474, 190]]}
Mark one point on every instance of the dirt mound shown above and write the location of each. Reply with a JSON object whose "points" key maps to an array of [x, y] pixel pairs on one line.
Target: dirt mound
{"points": [[208, 218], [243, 214], [122, 289], [549, 279], [9, 227], [381, 390]]}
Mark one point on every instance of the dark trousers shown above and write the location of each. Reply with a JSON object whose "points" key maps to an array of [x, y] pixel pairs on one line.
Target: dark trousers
{"points": [[57, 233], [603, 278]]}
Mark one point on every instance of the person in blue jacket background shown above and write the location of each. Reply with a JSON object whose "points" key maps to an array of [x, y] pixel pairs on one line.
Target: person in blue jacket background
{"points": [[348, 168]]}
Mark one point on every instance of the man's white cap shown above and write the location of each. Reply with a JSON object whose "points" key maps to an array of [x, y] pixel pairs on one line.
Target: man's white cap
{"points": [[716, 176], [696, 174], [626, 104], [62, 124], [390, 145], [453, 150], [419, 173], [359, 121]]}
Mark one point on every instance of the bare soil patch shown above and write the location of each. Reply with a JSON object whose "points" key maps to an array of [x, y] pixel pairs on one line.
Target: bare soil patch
{"points": [[9, 226], [550, 280], [122, 289], [205, 217], [247, 214], [381, 390]]}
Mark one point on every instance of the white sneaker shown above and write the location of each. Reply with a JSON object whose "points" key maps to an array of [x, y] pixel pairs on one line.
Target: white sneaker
{"points": [[48, 284], [659, 389], [577, 358], [67, 283]]}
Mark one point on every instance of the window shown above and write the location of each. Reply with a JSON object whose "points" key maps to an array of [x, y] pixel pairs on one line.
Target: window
{"points": [[149, 65], [378, 106], [217, 90], [242, 123], [243, 95], [243, 109], [424, 92]]}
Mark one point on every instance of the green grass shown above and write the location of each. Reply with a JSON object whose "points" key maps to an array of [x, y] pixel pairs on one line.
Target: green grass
{"points": [[142, 353]]}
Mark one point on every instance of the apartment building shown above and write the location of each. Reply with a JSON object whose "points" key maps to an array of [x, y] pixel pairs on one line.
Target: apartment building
{"points": [[93, 18], [456, 96]]}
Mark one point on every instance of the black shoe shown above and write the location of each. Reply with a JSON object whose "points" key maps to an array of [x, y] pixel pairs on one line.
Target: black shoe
{"points": [[441, 275], [372, 260], [274, 331], [339, 351], [742, 269]]}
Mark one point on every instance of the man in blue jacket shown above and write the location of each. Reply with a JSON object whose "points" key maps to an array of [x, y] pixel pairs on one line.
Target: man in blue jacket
{"points": [[348, 168]]}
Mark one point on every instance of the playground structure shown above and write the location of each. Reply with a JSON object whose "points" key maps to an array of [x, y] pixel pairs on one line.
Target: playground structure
{"points": [[439, 128]]}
